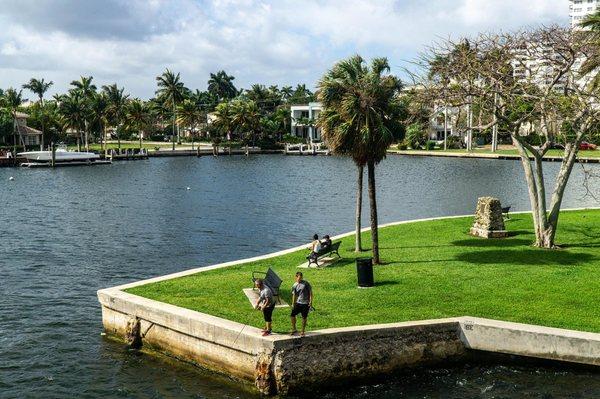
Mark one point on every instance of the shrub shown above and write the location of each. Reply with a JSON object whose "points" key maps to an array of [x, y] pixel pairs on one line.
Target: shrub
{"points": [[454, 143], [403, 145], [415, 136], [290, 139], [430, 145]]}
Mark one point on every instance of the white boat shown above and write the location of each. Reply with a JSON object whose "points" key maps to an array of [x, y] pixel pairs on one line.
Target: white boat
{"points": [[61, 155]]}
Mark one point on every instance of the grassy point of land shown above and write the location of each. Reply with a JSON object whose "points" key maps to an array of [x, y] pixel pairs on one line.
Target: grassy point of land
{"points": [[432, 269]]}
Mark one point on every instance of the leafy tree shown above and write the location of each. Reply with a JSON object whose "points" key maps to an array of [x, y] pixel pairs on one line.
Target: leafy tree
{"points": [[359, 104]]}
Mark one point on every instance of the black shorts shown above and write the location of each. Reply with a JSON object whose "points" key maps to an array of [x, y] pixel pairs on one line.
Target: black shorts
{"points": [[268, 313], [300, 308]]}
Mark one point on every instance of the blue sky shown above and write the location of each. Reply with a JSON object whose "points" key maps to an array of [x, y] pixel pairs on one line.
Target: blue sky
{"points": [[269, 42]]}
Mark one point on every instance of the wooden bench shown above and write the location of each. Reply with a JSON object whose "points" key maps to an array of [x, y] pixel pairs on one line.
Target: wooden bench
{"points": [[331, 249], [505, 211], [271, 280]]}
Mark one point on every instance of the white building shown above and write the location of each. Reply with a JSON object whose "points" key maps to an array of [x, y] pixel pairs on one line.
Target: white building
{"points": [[304, 118], [579, 9]]}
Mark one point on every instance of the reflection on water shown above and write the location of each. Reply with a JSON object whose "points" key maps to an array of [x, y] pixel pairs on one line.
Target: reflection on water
{"points": [[68, 232]]}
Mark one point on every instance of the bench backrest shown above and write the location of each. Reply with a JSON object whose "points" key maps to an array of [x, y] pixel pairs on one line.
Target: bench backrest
{"points": [[272, 280], [333, 247]]}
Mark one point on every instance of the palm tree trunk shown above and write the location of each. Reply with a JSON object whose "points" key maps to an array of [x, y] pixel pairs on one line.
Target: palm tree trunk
{"points": [[373, 205], [173, 125], [359, 189], [87, 144]]}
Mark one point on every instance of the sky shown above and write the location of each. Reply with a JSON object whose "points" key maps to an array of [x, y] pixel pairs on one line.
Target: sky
{"points": [[281, 42]]}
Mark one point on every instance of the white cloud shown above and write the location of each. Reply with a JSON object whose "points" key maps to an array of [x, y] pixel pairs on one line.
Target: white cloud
{"points": [[278, 42]]}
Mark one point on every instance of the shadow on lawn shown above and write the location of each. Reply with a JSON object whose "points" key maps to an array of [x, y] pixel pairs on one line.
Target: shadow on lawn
{"points": [[524, 257]]}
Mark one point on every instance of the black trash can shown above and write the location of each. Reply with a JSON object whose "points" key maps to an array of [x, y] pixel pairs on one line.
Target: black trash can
{"points": [[364, 270]]}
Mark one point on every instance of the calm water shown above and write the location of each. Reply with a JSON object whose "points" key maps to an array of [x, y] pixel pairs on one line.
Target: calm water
{"points": [[67, 232]]}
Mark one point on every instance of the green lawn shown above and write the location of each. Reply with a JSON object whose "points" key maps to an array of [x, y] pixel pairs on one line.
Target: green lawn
{"points": [[550, 153], [432, 270]]}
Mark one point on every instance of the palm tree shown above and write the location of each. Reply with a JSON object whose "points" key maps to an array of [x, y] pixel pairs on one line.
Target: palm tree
{"points": [[221, 85], [117, 101], [190, 115], [592, 63], [360, 104], [138, 118], [12, 100], [39, 87], [246, 117], [224, 118], [172, 90], [73, 112], [87, 90], [99, 116]]}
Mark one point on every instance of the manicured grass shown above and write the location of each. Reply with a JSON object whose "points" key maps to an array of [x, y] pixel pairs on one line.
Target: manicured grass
{"points": [[550, 153], [432, 270]]}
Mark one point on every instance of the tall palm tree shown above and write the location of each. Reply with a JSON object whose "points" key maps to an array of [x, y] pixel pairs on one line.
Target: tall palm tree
{"points": [[138, 118], [87, 90], [360, 105], [221, 85], [39, 87], [12, 100], [117, 100], [191, 115], [100, 116], [591, 65], [171, 90], [73, 112]]}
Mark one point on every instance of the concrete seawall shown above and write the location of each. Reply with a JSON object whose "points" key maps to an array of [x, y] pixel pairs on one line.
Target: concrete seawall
{"points": [[281, 364]]}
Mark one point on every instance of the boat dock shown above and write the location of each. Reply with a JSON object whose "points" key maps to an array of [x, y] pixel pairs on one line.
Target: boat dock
{"points": [[306, 149]]}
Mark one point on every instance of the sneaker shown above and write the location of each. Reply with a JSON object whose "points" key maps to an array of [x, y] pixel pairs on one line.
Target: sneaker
{"points": [[265, 333]]}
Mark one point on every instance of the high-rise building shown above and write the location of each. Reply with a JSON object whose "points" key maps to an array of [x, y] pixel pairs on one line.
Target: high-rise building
{"points": [[579, 9]]}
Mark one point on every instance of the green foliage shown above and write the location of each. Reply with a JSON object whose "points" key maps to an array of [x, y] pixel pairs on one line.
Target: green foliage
{"points": [[454, 143], [432, 270], [416, 136], [290, 139], [403, 145], [360, 108], [430, 145]]}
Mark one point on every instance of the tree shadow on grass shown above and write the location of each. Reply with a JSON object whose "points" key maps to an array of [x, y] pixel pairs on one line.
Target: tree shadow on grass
{"points": [[530, 257]]}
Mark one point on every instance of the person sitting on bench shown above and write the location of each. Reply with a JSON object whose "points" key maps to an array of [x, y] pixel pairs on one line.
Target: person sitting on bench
{"points": [[326, 243], [315, 247]]}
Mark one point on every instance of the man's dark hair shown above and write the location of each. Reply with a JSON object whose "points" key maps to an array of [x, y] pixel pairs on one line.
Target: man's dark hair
{"points": [[298, 274], [259, 282], [316, 237]]}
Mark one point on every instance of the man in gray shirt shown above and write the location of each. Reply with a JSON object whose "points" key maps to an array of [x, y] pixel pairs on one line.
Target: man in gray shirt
{"points": [[266, 303], [302, 299]]}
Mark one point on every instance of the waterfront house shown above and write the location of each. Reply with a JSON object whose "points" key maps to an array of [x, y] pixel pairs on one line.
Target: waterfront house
{"points": [[303, 121], [28, 135]]}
